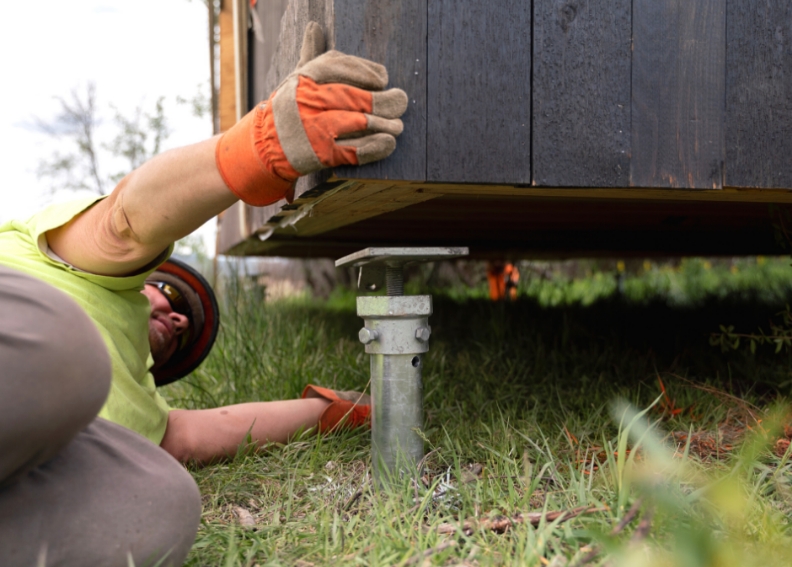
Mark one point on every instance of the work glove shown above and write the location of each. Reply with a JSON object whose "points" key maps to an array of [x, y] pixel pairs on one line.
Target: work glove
{"points": [[347, 410], [330, 111]]}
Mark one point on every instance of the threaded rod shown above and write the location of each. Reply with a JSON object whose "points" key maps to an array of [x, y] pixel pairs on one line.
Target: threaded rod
{"points": [[394, 280]]}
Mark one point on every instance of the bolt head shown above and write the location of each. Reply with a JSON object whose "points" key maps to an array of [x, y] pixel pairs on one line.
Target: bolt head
{"points": [[367, 335], [423, 334]]}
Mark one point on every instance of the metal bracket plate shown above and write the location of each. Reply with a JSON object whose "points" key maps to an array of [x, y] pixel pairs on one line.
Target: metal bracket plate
{"points": [[400, 256], [375, 262]]}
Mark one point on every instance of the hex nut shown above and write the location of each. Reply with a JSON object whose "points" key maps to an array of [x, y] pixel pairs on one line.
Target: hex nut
{"points": [[423, 334], [367, 335]]}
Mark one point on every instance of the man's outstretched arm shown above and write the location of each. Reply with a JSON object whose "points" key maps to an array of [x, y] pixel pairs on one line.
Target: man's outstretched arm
{"points": [[163, 200], [332, 110]]}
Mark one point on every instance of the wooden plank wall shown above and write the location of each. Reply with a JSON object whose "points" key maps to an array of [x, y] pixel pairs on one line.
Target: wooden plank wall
{"points": [[679, 89], [393, 33], [759, 94], [632, 94], [262, 44], [470, 138], [565, 93], [581, 93]]}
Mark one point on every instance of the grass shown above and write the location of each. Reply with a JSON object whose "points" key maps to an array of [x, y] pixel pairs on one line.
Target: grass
{"points": [[521, 416]]}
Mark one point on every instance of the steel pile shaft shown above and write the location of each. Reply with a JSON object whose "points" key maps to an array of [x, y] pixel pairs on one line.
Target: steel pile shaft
{"points": [[397, 393]]}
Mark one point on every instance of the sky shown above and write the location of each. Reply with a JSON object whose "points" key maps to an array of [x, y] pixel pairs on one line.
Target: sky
{"points": [[133, 51]]}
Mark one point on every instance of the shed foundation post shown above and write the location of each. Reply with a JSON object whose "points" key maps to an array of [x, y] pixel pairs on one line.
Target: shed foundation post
{"points": [[396, 334]]}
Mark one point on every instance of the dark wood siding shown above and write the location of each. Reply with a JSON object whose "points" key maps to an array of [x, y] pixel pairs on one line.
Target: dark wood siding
{"points": [[479, 103], [392, 33], [581, 93], [520, 99], [759, 94], [678, 85]]}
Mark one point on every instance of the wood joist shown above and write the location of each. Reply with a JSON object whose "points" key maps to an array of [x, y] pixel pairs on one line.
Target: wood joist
{"points": [[339, 216], [641, 101]]}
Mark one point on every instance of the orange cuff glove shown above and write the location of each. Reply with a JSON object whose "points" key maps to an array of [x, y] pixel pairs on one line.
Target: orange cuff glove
{"points": [[347, 410], [331, 111]]}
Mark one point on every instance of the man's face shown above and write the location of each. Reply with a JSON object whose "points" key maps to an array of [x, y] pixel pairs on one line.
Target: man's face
{"points": [[165, 326]]}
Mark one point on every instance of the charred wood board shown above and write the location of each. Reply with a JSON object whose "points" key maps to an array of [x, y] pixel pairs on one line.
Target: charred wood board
{"points": [[679, 89], [759, 94], [392, 33], [581, 93], [479, 92]]}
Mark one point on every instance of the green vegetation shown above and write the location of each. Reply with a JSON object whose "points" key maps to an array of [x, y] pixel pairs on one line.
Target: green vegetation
{"points": [[688, 282], [528, 409]]}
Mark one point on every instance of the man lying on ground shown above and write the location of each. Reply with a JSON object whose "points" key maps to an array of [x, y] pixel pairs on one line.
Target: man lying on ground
{"points": [[77, 489]]}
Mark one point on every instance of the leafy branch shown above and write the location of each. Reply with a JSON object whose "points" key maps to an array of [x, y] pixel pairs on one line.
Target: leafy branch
{"points": [[138, 138], [77, 121], [780, 335], [132, 140]]}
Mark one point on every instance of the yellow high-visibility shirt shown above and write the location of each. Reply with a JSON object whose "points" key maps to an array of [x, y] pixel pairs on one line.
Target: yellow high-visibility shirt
{"points": [[115, 305]]}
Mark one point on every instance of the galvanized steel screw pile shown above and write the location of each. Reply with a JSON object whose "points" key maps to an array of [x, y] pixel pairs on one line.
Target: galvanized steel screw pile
{"points": [[396, 334]]}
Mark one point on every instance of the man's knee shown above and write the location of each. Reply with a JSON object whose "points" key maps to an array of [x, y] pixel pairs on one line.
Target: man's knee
{"points": [[109, 495], [55, 368], [160, 500], [177, 515]]}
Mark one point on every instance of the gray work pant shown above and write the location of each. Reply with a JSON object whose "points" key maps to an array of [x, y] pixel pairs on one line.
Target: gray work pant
{"points": [[76, 490]]}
